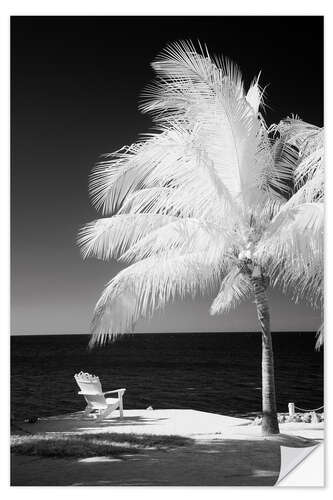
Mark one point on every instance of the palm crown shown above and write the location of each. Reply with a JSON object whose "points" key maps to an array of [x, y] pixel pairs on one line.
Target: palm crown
{"points": [[210, 200]]}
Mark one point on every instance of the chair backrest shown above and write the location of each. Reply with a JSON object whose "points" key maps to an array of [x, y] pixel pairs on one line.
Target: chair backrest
{"points": [[89, 384]]}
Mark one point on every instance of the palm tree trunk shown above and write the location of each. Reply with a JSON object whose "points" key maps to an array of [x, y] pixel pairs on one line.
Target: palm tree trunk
{"points": [[269, 419]]}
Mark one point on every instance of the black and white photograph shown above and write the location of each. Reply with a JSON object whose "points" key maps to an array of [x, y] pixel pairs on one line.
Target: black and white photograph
{"points": [[167, 249]]}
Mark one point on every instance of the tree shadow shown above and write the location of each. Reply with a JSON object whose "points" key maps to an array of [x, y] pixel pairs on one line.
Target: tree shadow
{"points": [[216, 463], [76, 422]]}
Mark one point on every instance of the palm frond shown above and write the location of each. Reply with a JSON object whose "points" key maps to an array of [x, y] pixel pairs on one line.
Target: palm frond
{"points": [[309, 175], [110, 237], [186, 235], [184, 73], [173, 159], [285, 159], [307, 218], [112, 178], [146, 286], [255, 95], [320, 337], [303, 156], [291, 250], [208, 93], [296, 131], [235, 287]]}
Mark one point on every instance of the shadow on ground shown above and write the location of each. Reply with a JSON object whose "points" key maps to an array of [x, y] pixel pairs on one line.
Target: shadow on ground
{"points": [[248, 460], [76, 422], [226, 462]]}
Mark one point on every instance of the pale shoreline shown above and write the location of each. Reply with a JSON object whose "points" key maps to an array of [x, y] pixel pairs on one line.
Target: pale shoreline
{"points": [[226, 451]]}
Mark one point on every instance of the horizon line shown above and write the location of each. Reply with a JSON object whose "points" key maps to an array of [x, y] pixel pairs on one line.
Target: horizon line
{"points": [[157, 333]]}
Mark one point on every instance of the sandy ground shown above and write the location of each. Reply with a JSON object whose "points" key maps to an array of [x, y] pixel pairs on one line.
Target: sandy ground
{"points": [[225, 452]]}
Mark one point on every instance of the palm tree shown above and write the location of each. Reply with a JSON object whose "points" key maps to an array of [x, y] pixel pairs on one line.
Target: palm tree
{"points": [[212, 200]]}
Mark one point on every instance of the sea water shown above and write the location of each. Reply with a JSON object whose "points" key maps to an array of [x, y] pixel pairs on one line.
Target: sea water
{"points": [[213, 372]]}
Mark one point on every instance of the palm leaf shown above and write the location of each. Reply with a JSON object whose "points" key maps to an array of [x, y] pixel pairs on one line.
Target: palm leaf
{"points": [[146, 286], [320, 337], [186, 235], [110, 237], [235, 287], [291, 250]]}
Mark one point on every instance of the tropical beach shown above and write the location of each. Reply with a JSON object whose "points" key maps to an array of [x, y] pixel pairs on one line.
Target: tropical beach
{"points": [[207, 372], [168, 327], [231, 453], [219, 447]]}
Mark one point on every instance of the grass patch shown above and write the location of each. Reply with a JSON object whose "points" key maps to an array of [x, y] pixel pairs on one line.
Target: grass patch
{"points": [[150, 440], [59, 445]]}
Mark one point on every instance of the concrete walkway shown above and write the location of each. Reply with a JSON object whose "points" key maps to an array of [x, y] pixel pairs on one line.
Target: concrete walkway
{"points": [[191, 423], [167, 422]]}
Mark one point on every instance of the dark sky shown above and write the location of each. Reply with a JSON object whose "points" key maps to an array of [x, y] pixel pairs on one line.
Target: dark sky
{"points": [[75, 88]]}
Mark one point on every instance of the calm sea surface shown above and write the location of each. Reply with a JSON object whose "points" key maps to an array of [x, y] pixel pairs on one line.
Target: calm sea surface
{"points": [[215, 372]]}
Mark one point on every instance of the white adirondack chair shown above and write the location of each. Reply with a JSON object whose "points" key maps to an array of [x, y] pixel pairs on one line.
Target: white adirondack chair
{"points": [[97, 404]]}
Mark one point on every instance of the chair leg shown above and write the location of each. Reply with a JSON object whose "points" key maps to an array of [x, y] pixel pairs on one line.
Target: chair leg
{"points": [[121, 408], [105, 413], [87, 411]]}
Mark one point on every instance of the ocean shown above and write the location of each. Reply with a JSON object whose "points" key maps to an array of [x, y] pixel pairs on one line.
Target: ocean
{"points": [[213, 372]]}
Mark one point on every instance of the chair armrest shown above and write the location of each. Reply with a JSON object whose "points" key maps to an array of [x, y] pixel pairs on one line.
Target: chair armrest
{"points": [[83, 393], [119, 391]]}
